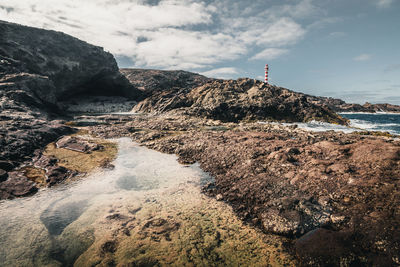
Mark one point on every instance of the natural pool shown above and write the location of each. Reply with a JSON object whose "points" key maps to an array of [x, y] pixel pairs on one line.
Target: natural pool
{"points": [[147, 211]]}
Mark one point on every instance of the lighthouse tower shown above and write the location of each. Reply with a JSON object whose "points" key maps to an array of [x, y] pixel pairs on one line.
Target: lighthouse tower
{"points": [[266, 74]]}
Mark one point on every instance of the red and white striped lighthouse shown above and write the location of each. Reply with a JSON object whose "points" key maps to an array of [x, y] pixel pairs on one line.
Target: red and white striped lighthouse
{"points": [[266, 73]]}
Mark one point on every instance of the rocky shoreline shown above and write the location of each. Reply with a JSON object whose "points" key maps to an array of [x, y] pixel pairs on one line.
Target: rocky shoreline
{"points": [[335, 196]]}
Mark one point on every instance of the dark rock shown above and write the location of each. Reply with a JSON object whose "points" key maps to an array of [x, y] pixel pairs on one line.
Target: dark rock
{"points": [[109, 247], [54, 65], [3, 175], [56, 174], [6, 165]]}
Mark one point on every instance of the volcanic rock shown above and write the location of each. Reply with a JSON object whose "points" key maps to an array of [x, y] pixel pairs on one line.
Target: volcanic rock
{"points": [[236, 100], [153, 81]]}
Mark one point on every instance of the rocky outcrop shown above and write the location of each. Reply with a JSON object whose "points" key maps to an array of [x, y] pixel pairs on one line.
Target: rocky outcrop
{"points": [[38, 69], [339, 105], [155, 81], [236, 100], [53, 66]]}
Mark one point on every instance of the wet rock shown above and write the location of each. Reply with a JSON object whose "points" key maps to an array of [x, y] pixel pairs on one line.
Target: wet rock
{"points": [[77, 144], [17, 186], [56, 174]]}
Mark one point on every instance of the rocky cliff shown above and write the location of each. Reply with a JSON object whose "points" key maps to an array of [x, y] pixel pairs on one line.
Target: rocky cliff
{"points": [[39, 68], [235, 100]]}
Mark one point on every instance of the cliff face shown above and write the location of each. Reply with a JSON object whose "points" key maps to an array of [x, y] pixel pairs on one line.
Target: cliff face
{"points": [[53, 65], [242, 99], [39, 68]]}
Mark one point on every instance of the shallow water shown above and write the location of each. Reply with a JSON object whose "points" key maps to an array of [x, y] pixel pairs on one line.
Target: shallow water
{"points": [[148, 198]]}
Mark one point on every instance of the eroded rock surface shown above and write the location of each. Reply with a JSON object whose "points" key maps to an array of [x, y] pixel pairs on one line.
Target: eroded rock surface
{"points": [[236, 100]]}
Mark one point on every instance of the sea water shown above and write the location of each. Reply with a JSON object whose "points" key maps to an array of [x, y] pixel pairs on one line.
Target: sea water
{"points": [[386, 122], [383, 122]]}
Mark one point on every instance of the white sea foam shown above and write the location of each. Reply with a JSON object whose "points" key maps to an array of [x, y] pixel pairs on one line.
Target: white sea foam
{"points": [[370, 113], [317, 126]]}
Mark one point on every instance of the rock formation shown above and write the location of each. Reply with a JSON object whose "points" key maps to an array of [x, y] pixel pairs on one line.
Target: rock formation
{"points": [[155, 81], [236, 100]]}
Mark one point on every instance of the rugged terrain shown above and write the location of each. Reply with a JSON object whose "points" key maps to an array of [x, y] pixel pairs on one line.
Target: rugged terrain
{"points": [[334, 195], [237, 100]]}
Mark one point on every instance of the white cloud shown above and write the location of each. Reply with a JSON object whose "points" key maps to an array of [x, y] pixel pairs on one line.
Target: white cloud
{"points": [[227, 72], [363, 57], [170, 34], [270, 53], [384, 3], [284, 31]]}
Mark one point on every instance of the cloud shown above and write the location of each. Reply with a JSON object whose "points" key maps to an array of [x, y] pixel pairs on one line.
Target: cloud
{"points": [[270, 53], [383, 3], [363, 57], [171, 34], [226, 72]]}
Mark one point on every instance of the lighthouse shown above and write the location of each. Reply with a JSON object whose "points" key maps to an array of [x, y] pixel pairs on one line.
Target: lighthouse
{"points": [[266, 74]]}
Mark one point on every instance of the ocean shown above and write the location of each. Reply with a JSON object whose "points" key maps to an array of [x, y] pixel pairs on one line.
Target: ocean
{"points": [[384, 122]]}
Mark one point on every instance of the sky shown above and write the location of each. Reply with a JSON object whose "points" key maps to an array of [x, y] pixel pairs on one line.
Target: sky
{"points": [[348, 49]]}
